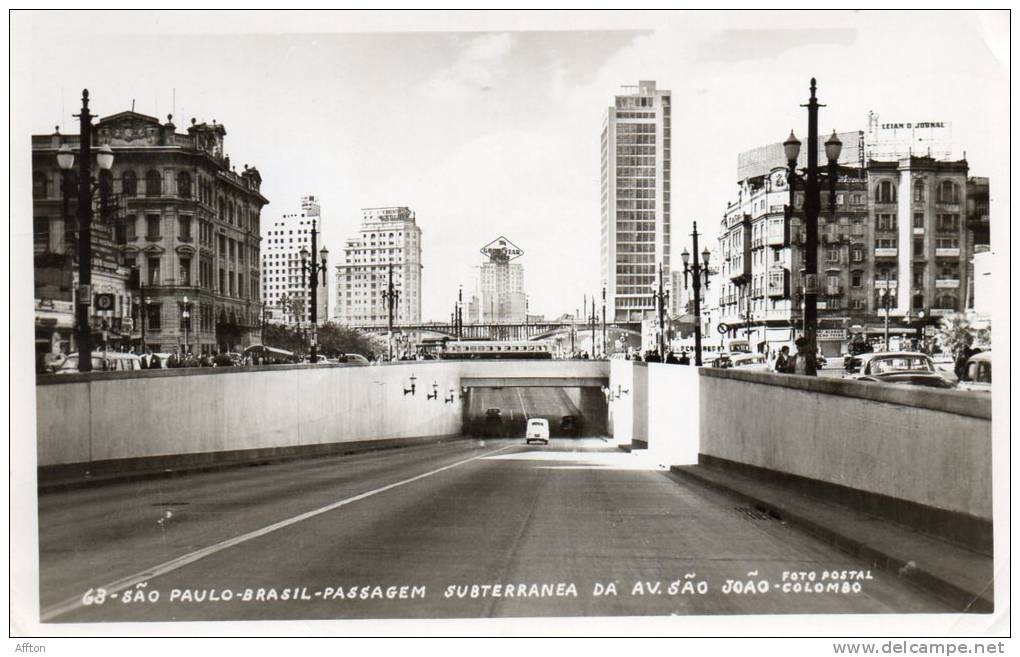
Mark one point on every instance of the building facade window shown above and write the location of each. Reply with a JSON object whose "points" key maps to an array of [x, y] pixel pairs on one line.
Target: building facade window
{"points": [[946, 302], [948, 222], [129, 183], [885, 222], [919, 220], [184, 184], [184, 225], [885, 192], [919, 191], [152, 226], [153, 271], [39, 186], [153, 316], [856, 279], [153, 183], [185, 271], [948, 192]]}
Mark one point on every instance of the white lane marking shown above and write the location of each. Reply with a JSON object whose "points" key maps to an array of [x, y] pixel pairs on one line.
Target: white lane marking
{"points": [[71, 604]]}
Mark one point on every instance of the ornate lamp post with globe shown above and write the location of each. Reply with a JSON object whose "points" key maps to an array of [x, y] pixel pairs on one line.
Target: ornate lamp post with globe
{"points": [[86, 186]]}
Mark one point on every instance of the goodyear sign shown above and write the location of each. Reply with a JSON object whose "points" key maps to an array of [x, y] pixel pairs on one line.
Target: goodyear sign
{"points": [[501, 250]]}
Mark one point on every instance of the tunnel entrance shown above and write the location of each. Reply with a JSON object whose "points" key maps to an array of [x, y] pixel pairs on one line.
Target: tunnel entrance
{"points": [[502, 411]]}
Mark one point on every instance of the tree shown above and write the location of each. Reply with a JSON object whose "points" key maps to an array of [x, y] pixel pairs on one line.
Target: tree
{"points": [[335, 339], [284, 337], [957, 331]]}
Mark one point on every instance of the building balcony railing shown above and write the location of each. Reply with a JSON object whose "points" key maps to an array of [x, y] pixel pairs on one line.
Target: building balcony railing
{"points": [[886, 252], [918, 231], [947, 253], [939, 312], [947, 282], [833, 290]]}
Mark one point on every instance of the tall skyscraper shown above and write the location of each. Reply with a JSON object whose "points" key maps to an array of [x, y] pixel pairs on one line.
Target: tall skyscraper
{"points": [[636, 156], [284, 281], [387, 235]]}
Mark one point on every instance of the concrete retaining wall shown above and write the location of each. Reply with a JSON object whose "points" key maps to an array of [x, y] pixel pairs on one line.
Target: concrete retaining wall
{"points": [[145, 415], [931, 448], [673, 413]]}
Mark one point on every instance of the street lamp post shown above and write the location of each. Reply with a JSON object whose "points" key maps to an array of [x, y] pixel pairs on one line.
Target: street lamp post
{"points": [[661, 296], [460, 313], [605, 347], [594, 318], [312, 268], [390, 294], [698, 272], [186, 316], [142, 302], [104, 159], [885, 298], [812, 204]]}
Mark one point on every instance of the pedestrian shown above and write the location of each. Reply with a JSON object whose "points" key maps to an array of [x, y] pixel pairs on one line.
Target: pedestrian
{"points": [[154, 362], [684, 359], [960, 367], [804, 362], [783, 363]]}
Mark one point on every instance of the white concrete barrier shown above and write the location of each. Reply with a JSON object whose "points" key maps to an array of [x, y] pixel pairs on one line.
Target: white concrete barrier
{"points": [[217, 413], [931, 447]]}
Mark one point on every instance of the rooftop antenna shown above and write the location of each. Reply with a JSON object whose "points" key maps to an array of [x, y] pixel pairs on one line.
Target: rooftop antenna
{"points": [[132, 104], [173, 105]]}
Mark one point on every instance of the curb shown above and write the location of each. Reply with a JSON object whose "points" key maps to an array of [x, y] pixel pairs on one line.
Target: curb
{"points": [[963, 600]]}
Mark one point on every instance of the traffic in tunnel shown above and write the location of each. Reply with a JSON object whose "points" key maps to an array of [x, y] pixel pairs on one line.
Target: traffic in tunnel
{"points": [[503, 412]]}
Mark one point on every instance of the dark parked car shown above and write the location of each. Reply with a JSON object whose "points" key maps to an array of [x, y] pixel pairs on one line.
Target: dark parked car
{"points": [[905, 367], [569, 425]]}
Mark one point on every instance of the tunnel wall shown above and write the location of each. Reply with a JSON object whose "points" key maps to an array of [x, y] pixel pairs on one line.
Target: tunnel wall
{"points": [[920, 457], [855, 434], [171, 417]]}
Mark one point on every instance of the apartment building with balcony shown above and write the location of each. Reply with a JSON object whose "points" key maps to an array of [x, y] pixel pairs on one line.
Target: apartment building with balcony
{"points": [[899, 240]]}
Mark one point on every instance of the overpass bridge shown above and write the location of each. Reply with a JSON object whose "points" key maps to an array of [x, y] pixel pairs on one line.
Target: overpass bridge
{"points": [[725, 473], [505, 331]]}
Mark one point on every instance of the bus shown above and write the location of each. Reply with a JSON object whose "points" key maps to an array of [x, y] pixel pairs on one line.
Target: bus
{"points": [[491, 349]]}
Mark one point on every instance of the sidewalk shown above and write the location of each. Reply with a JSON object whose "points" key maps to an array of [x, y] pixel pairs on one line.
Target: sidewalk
{"points": [[957, 576]]}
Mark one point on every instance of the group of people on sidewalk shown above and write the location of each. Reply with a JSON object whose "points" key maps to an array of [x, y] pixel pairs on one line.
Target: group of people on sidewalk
{"points": [[152, 361]]}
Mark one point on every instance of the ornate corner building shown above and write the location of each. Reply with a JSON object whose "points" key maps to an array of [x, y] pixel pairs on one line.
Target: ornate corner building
{"points": [[180, 223], [897, 249]]}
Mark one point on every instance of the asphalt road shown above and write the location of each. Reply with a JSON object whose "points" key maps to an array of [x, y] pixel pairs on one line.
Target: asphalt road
{"points": [[407, 533]]}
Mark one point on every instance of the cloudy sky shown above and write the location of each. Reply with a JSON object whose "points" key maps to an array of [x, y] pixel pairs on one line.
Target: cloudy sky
{"points": [[488, 124]]}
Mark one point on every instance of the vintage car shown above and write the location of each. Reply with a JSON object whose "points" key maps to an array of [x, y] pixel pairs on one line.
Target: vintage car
{"points": [[537, 430], [750, 361], [903, 367], [978, 373]]}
